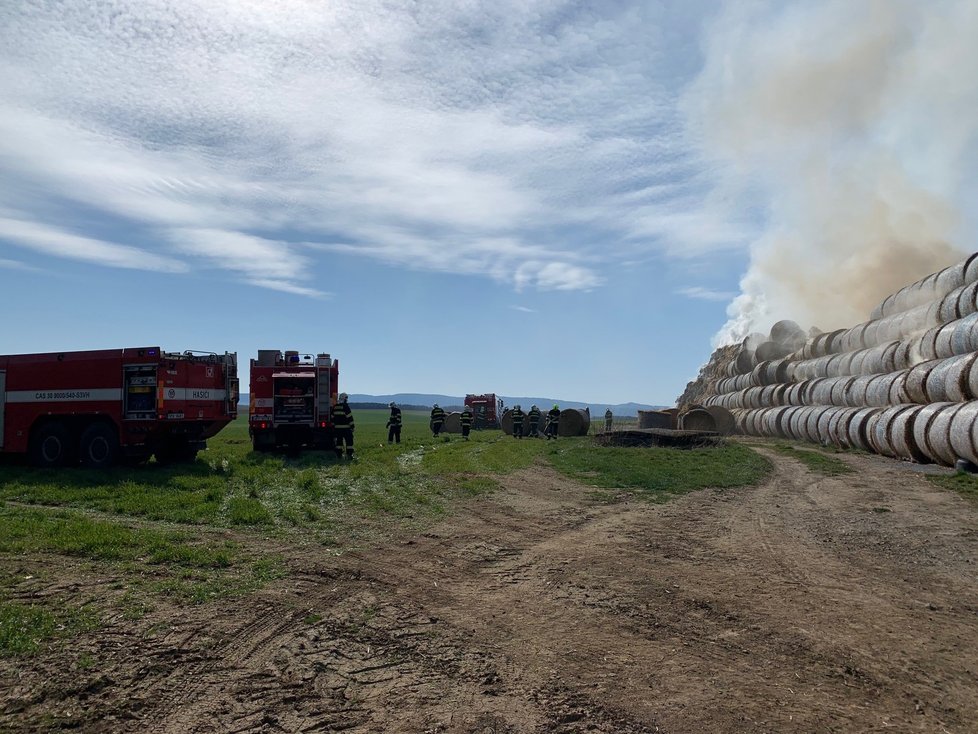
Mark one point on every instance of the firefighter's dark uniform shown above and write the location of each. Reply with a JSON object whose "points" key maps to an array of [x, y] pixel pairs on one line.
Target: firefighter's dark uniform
{"points": [[343, 429], [437, 420], [466, 423], [608, 416], [534, 418], [553, 419], [517, 415], [394, 426]]}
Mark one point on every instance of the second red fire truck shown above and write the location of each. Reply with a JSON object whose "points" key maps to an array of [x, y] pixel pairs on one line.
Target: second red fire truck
{"points": [[291, 401], [100, 407]]}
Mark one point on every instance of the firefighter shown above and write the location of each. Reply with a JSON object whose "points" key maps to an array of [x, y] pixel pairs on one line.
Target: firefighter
{"points": [[437, 419], [534, 417], [608, 416], [343, 426], [394, 424], [466, 421], [517, 415], [553, 419]]}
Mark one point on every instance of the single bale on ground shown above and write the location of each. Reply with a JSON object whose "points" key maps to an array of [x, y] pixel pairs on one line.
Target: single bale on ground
{"points": [[573, 422], [697, 419], [655, 419], [723, 418], [453, 423], [506, 422]]}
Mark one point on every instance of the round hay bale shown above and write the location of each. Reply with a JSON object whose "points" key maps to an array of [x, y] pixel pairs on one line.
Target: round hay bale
{"points": [[902, 434], [968, 301], [964, 338], [939, 434], [697, 419], [506, 422], [788, 333], [745, 361], [922, 424], [857, 428], [722, 418], [769, 351], [964, 432], [573, 422], [942, 341], [453, 423], [917, 380], [898, 388], [654, 419], [840, 389], [950, 278], [956, 379], [971, 268], [674, 414], [935, 386]]}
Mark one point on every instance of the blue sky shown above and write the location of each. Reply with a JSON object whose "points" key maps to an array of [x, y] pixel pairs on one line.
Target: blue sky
{"points": [[524, 197]]}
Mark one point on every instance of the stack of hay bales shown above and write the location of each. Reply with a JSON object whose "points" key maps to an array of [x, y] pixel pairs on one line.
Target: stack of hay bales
{"points": [[903, 383]]}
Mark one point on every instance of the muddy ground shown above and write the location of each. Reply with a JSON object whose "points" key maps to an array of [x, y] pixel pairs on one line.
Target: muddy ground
{"points": [[807, 604]]}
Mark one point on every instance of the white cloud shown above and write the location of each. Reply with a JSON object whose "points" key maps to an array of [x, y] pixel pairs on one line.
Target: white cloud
{"points": [[705, 294], [524, 309], [529, 142], [15, 265], [57, 242]]}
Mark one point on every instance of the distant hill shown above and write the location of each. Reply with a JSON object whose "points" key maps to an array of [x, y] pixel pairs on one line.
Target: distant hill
{"points": [[409, 400], [447, 401]]}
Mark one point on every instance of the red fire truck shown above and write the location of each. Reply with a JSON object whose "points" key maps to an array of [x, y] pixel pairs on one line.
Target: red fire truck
{"points": [[98, 407], [292, 396], [486, 410]]}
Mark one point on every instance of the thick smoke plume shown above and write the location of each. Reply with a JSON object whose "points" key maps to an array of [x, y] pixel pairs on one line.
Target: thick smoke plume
{"points": [[850, 128]]}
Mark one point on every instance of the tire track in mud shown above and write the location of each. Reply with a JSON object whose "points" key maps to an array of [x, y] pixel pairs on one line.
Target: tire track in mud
{"points": [[791, 606]]}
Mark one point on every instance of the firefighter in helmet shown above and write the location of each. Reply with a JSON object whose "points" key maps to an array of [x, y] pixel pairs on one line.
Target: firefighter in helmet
{"points": [[553, 419], [608, 417], [437, 419], [534, 418], [343, 426], [466, 421], [394, 424], [517, 415]]}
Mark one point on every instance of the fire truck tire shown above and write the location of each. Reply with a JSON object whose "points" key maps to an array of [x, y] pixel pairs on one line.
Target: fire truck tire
{"points": [[50, 445], [99, 446]]}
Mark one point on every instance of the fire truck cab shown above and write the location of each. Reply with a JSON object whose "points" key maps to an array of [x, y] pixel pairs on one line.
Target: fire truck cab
{"points": [[486, 410], [291, 400], [102, 406]]}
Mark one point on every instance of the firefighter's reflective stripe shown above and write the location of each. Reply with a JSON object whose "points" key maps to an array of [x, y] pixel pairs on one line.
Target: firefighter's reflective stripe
{"points": [[342, 416], [76, 395]]}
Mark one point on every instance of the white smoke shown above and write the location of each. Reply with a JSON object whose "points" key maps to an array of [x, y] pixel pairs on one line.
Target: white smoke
{"points": [[850, 127]]}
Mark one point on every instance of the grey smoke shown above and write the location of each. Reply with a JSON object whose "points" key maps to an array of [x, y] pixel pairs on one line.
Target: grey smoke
{"points": [[851, 127]]}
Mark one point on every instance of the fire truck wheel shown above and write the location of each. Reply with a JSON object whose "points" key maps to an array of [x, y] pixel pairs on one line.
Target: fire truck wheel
{"points": [[99, 446], [49, 445]]}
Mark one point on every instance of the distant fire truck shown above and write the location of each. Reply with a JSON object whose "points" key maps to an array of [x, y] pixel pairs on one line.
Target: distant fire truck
{"points": [[292, 395], [98, 407], [486, 410]]}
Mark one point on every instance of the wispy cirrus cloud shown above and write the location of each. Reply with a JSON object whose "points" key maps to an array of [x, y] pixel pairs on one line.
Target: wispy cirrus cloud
{"points": [[59, 243], [705, 294], [523, 309], [534, 143]]}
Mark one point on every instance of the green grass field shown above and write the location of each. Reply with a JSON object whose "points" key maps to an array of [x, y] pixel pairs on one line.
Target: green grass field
{"points": [[182, 531]]}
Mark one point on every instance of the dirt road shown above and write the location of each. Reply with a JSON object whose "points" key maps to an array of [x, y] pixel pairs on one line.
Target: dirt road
{"points": [[804, 605]]}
